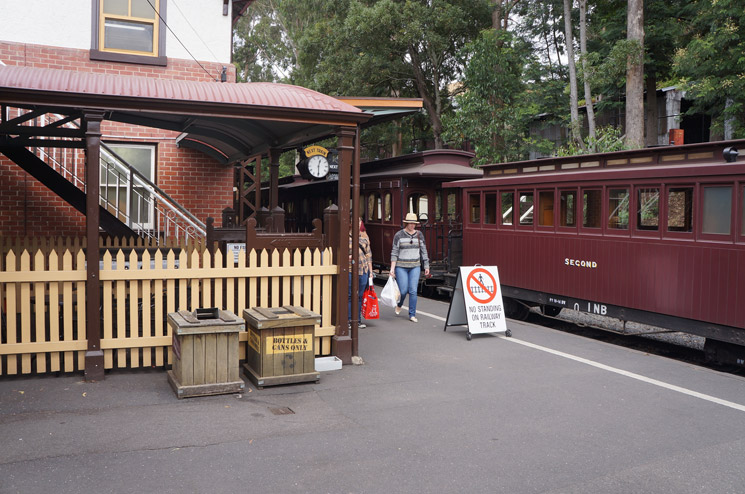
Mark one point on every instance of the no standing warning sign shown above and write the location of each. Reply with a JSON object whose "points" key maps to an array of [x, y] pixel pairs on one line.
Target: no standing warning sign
{"points": [[477, 301]]}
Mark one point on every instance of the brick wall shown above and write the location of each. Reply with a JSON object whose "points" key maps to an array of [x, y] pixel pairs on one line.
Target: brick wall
{"points": [[196, 181]]}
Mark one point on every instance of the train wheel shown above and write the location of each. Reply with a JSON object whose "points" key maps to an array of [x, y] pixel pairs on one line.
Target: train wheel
{"points": [[550, 310], [515, 309]]}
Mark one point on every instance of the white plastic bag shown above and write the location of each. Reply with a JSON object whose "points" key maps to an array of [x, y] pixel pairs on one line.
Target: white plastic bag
{"points": [[390, 294]]}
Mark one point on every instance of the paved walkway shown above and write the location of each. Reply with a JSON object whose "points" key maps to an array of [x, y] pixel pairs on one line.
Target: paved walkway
{"points": [[540, 412]]}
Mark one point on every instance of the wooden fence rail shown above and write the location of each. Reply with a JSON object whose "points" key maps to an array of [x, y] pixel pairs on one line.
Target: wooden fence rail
{"points": [[43, 326]]}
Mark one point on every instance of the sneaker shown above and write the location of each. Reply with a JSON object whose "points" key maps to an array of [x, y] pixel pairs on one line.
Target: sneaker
{"points": [[413, 319], [398, 310], [362, 326]]}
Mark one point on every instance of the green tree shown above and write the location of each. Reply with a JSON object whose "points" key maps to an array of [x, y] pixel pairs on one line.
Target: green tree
{"points": [[494, 109], [712, 64]]}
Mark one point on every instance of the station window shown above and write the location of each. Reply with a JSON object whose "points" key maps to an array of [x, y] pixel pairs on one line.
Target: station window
{"points": [[546, 208], [474, 208], [490, 209], [526, 208], [648, 208], [508, 204], [618, 209], [717, 214], [591, 208], [680, 209], [387, 210], [568, 212], [129, 31]]}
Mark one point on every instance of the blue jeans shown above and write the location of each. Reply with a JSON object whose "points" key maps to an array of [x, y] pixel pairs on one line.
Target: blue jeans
{"points": [[360, 295], [408, 280]]}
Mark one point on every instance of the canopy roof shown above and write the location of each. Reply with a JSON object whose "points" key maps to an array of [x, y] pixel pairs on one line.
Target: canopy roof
{"points": [[229, 121]]}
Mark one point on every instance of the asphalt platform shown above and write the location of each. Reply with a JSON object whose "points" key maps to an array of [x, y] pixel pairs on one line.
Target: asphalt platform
{"points": [[427, 412]]}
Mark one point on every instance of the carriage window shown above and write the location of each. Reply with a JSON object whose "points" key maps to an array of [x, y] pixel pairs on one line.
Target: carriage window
{"points": [[418, 203], [526, 208], [680, 209], [648, 209], [567, 215], [490, 209], [438, 205], [451, 200], [374, 206], [717, 214], [474, 208], [618, 209], [546, 208], [387, 212], [508, 202], [591, 207], [361, 210]]}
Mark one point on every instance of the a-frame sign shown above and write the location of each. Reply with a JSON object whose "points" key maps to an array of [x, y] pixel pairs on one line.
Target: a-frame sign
{"points": [[477, 302]]}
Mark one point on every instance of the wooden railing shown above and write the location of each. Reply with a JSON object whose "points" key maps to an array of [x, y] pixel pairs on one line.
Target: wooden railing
{"points": [[42, 299]]}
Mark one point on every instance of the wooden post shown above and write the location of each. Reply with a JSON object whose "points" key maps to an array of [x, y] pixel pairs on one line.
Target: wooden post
{"points": [[274, 178], [342, 342], [94, 370], [355, 228]]}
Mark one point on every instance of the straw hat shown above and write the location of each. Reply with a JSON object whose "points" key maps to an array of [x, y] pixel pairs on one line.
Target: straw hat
{"points": [[411, 218]]}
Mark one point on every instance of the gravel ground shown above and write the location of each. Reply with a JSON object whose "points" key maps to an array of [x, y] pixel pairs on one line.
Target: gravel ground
{"points": [[660, 334]]}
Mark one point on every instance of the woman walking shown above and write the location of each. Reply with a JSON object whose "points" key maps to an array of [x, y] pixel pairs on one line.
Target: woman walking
{"points": [[407, 256]]}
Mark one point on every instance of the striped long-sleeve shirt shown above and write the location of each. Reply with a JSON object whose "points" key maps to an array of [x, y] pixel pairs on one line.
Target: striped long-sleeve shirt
{"points": [[409, 250]]}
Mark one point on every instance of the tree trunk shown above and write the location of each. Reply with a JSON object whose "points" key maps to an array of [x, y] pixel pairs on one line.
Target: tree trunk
{"points": [[652, 124], [432, 105], [573, 104], [585, 70], [635, 76]]}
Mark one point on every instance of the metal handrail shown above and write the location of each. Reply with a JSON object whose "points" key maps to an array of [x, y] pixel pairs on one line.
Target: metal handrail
{"points": [[140, 191]]}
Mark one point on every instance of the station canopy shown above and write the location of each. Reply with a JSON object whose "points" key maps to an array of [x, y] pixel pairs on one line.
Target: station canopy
{"points": [[229, 121]]}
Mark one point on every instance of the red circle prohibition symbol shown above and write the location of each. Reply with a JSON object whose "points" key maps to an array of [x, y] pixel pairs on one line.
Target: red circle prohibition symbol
{"points": [[489, 295]]}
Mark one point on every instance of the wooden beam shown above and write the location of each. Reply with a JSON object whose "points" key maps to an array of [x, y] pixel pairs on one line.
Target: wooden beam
{"points": [[94, 364]]}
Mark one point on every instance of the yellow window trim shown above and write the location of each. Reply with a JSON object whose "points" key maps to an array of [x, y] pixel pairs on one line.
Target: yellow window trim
{"points": [[102, 17]]}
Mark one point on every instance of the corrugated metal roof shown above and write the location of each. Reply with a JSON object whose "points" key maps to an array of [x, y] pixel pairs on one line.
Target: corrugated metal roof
{"points": [[256, 94]]}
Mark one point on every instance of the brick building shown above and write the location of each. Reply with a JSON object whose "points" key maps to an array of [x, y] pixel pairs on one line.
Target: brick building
{"points": [[184, 40]]}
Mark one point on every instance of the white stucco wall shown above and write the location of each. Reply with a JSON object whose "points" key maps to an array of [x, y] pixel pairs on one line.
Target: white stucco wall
{"points": [[65, 23], [199, 24]]}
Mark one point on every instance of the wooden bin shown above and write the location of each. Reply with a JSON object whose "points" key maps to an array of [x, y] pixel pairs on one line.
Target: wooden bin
{"points": [[205, 354], [280, 345]]}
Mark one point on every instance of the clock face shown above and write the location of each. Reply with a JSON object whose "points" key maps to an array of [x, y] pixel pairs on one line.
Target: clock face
{"points": [[318, 166]]}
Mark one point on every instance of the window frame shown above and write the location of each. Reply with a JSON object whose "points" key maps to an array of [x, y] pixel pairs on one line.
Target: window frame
{"points": [[518, 224], [568, 229], [103, 183], [537, 204], [470, 218], [590, 230], [668, 234], [500, 222], [617, 232], [699, 225], [638, 231], [97, 52]]}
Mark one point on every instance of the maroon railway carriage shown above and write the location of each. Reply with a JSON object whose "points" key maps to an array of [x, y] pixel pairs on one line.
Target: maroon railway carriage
{"points": [[389, 189], [653, 235]]}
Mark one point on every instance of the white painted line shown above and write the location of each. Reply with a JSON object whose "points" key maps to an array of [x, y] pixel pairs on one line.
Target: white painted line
{"points": [[608, 368], [638, 377]]}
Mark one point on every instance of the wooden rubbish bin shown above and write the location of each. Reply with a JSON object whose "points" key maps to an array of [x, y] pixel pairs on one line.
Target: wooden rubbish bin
{"points": [[205, 352], [280, 345]]}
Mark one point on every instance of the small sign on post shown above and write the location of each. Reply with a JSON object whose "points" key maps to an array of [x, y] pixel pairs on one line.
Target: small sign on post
{"points": [[477, 302]]}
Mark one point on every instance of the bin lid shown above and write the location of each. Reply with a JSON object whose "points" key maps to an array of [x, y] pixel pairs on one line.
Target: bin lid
{"points": [[185, 322], [280, 317]]}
